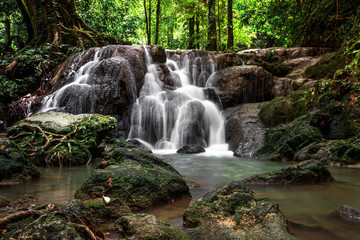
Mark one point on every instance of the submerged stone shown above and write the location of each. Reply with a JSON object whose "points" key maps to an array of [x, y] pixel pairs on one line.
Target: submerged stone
{"points": [[134, 176], [191, 149], [307, 172], [349, 213], [235, 212], [145, 226]]}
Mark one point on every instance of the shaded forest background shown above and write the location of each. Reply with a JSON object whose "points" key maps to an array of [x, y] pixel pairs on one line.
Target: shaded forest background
{"points": [[36, 36]]}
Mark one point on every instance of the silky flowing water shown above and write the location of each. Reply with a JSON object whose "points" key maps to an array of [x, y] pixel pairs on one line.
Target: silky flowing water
{"points": [[309, 208]]}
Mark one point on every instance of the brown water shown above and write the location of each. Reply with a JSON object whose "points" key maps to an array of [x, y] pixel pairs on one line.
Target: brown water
{"points": [[310, 209]]}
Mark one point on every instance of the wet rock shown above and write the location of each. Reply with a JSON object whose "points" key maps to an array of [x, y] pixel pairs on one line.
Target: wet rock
{"points": [[307, 172], [44, 223], [136, 177], [283, 52], [4, 202], [235, 212], [158, 54], [53, 138], [138, 144], [191, 149], [284, 141], [243, 130], [283, 87], [145, 226], [284, 109], [26, 201], [15, 166], [349, 213], [244, 84]]}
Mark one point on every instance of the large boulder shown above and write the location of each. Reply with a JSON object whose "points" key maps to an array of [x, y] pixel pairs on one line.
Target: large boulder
{"points": [[307, 172], [235, 212], [191, 149], [148, 227], [15, 166], [136, 177], [54, 138], [243, 130], [285, 140], [244, 84]]}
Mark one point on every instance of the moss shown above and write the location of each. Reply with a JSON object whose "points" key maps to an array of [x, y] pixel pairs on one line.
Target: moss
{"points": [[14, 164], [284, 109], [326, 67], [134, 176], [283, 141], [70, 139]]}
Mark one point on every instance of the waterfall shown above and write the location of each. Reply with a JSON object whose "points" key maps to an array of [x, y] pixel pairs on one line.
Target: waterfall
{"points": [[170, 119]]}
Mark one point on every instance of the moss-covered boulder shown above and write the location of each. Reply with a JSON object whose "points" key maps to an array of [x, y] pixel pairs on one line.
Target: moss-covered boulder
{"points": [[55, 138], [284, 141], [136, 177], [235, 212], [148, 227], [307, 172], [284, 109], [343, 152], [327, 66], [14, 164]]}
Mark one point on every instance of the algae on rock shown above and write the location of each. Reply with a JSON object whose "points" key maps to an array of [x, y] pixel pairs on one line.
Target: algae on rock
{"points": [[136, 177], [55, 138]]}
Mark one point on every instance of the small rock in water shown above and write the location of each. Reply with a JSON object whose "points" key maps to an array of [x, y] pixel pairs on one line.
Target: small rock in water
{"points": [[191, 149], [349, 213]]}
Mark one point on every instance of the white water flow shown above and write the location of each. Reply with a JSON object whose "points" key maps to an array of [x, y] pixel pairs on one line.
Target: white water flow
{"points": [[52, 102], [171, 119]]}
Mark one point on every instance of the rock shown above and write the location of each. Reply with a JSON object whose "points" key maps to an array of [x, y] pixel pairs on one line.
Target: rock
{"points": [[349, 213], [295, 52], [138, 144], [191, 149], [136, 177], [60, 138], [26, 201], [48, 222], [158, 54], [284, 141], [14, 164], [4, 202], [284, 109], [244, 84], [283, 87], [307, 172], [235, 212], [144, 226], [243, 130], [326, 67]]}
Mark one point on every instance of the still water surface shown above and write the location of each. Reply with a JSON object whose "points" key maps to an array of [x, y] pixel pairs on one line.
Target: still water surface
{"points": [[310, 209]]}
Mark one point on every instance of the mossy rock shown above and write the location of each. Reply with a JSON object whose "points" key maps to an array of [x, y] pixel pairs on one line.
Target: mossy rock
{"points": [[235, 212], [136, 177], [307, 172], [284, 109], [148, 227], [336, 152], [283, 141], [54, 138], [326, 67], [14, 164]]}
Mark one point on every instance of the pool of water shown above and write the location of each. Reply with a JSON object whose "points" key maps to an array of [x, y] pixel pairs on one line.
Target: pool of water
{"points": [[310, 209]]}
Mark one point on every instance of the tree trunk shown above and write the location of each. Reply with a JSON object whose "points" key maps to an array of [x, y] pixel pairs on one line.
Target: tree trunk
{"points": [[230, 40], [158, 12], [7, 32], [191, 32], [51, 19], [146, 24], [197, 31], [149, 39], [219, 25], [27, 20], [212, 26]]}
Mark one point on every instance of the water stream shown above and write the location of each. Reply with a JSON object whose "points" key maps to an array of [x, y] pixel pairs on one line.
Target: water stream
{"points": [[309, 208], [170, 119]]}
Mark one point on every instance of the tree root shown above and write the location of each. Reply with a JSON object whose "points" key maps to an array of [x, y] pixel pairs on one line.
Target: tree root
{"points": [[18, 216]]}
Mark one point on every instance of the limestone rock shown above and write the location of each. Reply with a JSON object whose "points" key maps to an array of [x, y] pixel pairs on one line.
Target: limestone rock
{"points": [[307, 172], [191, 149]]}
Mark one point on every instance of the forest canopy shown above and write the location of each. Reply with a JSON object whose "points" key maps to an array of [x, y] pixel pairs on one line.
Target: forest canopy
{"points": [[185, 24]]}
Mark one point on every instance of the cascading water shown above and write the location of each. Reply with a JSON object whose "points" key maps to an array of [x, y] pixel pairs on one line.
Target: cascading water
{"points": [[168, 119]]}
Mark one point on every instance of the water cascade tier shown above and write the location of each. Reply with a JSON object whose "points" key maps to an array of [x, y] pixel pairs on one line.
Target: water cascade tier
{"points": [[172, 118]]}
